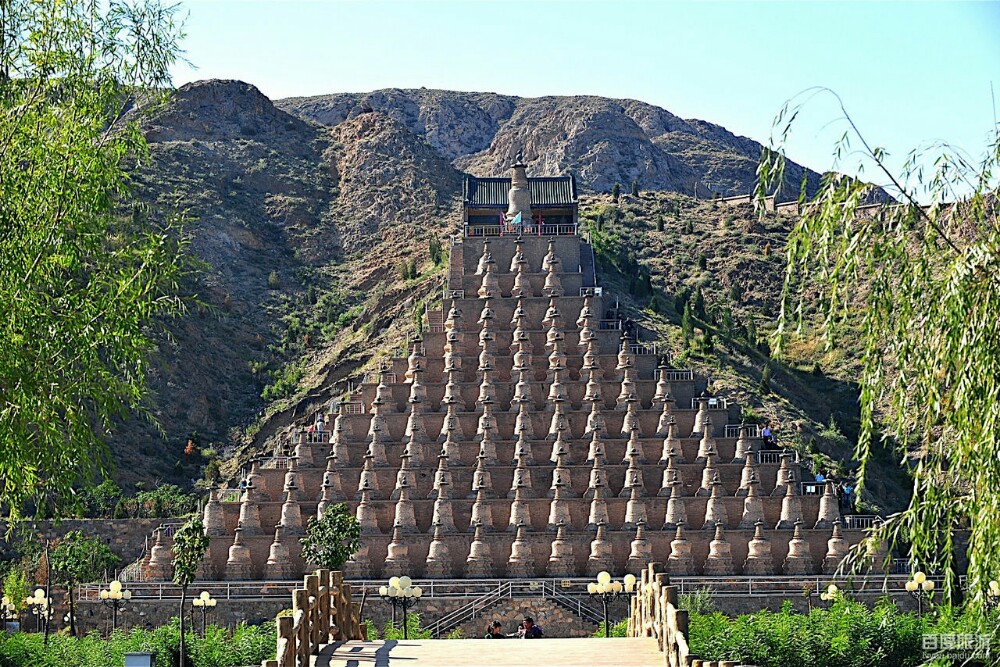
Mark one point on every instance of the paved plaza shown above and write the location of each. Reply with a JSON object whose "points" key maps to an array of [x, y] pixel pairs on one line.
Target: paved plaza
{"points": [[613, 652]]}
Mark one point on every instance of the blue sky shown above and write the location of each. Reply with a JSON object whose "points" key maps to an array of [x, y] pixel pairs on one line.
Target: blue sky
{"points": [[908, 73]]}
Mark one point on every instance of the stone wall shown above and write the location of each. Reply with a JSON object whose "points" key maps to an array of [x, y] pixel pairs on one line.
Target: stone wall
{"points": [[126, 537], [153, 613]]}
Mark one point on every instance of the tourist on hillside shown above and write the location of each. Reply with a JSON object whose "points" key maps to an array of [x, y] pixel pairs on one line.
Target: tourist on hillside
{"points": [[529, 630], [495, 631], [768, 437]]}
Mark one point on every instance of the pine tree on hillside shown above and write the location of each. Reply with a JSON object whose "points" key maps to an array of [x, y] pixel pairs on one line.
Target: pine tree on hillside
{"points": [[687, 323]]}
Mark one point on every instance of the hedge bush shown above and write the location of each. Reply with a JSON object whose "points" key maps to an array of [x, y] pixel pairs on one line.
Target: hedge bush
{"points": [[847, 634], [246, 645]]}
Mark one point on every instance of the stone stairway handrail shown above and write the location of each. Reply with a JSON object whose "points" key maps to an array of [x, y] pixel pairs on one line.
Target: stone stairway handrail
{"points": [[573, 603], [468, 610]]}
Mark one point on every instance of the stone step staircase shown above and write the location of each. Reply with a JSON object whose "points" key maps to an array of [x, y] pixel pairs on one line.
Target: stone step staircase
{"points": [[509, 590]]}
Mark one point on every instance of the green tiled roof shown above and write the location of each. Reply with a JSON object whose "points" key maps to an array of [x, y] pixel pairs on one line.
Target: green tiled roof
{"points": [[545, 191]]}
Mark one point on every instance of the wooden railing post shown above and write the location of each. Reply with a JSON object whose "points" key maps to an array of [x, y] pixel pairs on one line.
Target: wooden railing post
{"points": [[312, 628], [286, 643], [339, 609], [326, 595], [300, 609]]}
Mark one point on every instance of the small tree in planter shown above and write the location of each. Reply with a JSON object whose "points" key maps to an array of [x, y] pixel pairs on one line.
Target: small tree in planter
{"points": [[190, 545], [332, 539]]}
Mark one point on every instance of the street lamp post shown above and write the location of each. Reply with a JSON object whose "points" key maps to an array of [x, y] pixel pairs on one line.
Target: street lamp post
{"points": [[403, 594], [607, 590], [830, 594], [920, 589], [993, 595], [116, 598], [206, 603], [7, 611], [39, 605]]}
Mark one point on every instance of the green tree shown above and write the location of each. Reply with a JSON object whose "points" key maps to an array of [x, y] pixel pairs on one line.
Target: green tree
{"points": [[78, 559], [765, 380], [435, 250], [920, 279], [616, 191], [84, 269], [190, 545], [413, 267], [332, 539], [635, 187], [16, 587], [687, 323]]}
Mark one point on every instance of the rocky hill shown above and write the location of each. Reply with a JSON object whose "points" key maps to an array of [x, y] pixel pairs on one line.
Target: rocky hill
{"points": [[600, 140], [317, 222]]}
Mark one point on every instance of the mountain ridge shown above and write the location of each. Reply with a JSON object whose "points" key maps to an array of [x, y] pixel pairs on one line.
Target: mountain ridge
{"points": [[601, 140]]}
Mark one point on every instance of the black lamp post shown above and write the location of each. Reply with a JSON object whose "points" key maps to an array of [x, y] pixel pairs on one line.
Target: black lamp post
{"points": [[206, 603], [401, 594], [39, 605], [920, 589], [606, 591], [7, 611], [993, 595], [116, 598]]}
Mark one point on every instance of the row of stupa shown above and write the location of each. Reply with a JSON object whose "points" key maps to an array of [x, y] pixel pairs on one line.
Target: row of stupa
{"points": [[525, 435]]}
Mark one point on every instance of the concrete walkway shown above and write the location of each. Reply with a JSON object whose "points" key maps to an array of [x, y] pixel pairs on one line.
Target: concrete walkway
{"points": [[613, 652]]}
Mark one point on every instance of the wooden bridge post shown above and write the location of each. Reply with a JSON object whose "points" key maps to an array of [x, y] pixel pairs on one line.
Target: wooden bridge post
{"points": [[313, 606], [286, 657], [300, 609], [323, 613]]}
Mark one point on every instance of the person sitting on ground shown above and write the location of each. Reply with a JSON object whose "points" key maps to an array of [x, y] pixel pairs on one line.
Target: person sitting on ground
{"points": [[495, 631], [529, 630]]}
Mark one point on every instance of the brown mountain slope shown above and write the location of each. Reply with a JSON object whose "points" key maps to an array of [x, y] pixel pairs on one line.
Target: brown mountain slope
{"points": [[279, 211], [602, 141]]}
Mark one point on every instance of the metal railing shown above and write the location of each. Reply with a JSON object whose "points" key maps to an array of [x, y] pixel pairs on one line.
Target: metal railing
{"points": [[714, 403], [591, 291], [812, 488], [678, 375], [454, 294], [733, 430], [230, 496], [769, 456], [527, 229], [354, 408], [873, 585], [608, 325], [642, 348], [862, 521], [371, 377], [276, 462], [549, 589]]}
